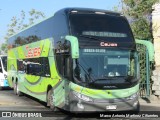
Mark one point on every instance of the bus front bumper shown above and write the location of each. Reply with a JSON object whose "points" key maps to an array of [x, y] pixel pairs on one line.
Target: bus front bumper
{"points": [[78, 105]]}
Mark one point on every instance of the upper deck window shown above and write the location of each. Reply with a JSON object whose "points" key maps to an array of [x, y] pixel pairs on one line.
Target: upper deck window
{"points": [[103, 26]]}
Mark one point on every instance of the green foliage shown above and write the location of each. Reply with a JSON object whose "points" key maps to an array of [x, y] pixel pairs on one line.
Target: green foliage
{"points": [[3, 47], [140, 11], [19, 23], [138, 8], [115, 8], [141, 29]]}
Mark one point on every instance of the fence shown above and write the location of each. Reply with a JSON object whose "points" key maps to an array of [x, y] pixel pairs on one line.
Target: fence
{"points": [[146, 66]]}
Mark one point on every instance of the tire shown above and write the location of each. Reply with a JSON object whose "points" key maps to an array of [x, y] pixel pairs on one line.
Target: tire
{"points": [[138, 107], [1, 88], [16, 90], [50, 100]]}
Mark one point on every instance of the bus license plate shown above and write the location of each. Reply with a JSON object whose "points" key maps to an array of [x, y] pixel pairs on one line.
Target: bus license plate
{"points": [[111, 107]]}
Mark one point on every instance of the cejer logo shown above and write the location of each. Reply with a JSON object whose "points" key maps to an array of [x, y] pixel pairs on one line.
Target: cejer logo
{"points": [[33, 52], [108, 44]]}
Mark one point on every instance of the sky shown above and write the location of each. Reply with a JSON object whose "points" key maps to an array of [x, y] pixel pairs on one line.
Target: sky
{"points": [[10, 8]]}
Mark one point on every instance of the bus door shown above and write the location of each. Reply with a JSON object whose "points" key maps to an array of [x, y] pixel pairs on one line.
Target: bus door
{"points": [[62, 91]]}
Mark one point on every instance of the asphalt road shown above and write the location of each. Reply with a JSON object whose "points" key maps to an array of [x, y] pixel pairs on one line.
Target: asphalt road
{"points": [[10, 102]]}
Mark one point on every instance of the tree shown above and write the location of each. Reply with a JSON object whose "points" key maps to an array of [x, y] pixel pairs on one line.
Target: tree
{"points": [[139, 11], [19, 23]]}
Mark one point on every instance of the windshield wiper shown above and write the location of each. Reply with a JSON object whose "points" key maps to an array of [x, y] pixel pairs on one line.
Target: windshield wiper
{"points": [[126, 78], [129, 79], [88, 74], [101, 79], [93, 81]]}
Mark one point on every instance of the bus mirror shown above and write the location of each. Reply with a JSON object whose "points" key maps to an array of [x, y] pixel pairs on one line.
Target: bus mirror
{"points": [[74, 46]]}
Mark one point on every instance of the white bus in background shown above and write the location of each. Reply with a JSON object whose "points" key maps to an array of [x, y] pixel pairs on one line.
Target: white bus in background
{"points": [[3, 71]]}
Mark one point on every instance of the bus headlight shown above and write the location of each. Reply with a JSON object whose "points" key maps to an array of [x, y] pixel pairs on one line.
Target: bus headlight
{"points": [[133, 96], [82, 97]]}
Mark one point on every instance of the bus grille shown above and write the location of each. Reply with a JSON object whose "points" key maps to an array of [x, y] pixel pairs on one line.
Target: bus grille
{"points": [[109, 100]]}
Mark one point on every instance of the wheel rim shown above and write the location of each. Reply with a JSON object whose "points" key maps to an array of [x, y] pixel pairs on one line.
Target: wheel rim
{"points": [[50, 99], [17, 89]]}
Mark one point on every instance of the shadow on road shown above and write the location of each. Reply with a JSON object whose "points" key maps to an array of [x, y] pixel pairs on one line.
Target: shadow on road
{"points": [[146, 99], [6, 89]]}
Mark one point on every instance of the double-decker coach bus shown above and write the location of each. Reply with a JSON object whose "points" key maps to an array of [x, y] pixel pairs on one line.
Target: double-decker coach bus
{"points": [[77, 60], [3, 71]]}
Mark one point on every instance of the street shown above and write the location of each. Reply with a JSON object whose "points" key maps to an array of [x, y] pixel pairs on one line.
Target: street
{"points": [[10, 102]]}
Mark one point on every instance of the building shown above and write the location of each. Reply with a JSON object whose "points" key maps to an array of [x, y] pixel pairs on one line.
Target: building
{"points": [[156, 40]]}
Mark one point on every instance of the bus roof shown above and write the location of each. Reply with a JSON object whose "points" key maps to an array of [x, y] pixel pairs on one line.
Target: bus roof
{"points": [[69, 10], [89, 11], [30, 26]]}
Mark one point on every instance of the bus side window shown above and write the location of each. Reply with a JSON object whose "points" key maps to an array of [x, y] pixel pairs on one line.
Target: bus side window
{"points": [[45, 67], [20, 66], [29, 68], [1, 67], [34, 66], [64, 65], [59, 63], [67, 66]]}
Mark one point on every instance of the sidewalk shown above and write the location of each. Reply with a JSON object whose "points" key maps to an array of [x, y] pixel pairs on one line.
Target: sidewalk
{"points": [[152, 101]]}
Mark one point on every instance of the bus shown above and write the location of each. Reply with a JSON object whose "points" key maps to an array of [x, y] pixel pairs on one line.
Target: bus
{"points": [[3, 72], [79, 59]]}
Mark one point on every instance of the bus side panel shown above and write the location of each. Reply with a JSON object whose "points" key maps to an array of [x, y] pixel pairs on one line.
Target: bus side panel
{"points": [[11, 67], [34, 84]]}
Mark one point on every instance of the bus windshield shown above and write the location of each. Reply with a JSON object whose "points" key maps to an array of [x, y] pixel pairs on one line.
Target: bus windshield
{"points": [[105, 65], [106, 27], [4, 61]]}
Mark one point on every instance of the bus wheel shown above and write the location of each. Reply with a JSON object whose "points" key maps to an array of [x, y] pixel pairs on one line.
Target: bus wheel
{"points": [[50, 100], [16, 90], [138, 107]]}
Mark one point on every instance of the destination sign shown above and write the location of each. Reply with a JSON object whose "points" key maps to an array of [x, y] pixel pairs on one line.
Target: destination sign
{"points": [[104, 34]]}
